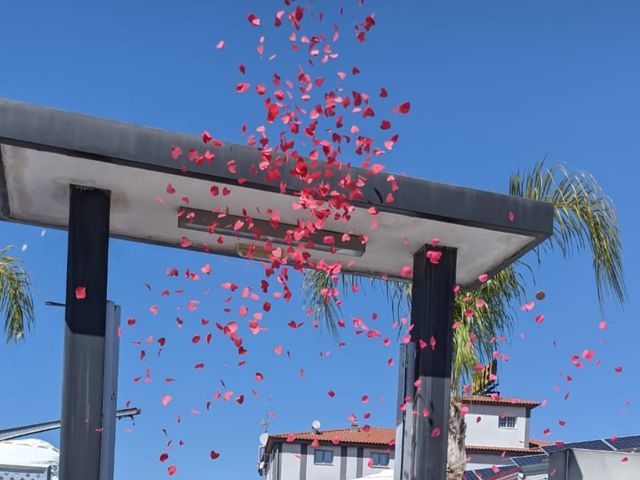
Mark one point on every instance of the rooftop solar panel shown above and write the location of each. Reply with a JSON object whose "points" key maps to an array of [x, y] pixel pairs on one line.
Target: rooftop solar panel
{"points": [[530, 460], [590, 445], [487, 473], [484, 473], [587, 445], [631, 442], [553, 448]]}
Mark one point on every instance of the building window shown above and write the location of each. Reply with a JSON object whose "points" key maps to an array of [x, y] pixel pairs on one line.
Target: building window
{"points": [[379, 459], [507, 422], [323, 457]]}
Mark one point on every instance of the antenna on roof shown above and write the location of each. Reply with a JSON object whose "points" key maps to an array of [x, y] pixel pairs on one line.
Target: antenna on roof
{"points": [[315, 426], [264, 423]]}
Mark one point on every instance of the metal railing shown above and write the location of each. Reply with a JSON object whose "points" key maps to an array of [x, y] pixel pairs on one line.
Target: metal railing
{"points": [[17, 472]]}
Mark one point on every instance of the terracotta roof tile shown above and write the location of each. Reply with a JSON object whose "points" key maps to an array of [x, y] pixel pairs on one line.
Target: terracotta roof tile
{"points": [[487, 448], [533, 442], [376, 436], [496, 400], [373, 436]]}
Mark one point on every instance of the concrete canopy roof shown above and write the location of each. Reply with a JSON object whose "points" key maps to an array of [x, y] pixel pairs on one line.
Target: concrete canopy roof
{"points": [[43, 151]]}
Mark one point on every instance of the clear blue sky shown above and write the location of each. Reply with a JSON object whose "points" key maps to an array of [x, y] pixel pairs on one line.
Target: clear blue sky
{"points": [[494, 87]]}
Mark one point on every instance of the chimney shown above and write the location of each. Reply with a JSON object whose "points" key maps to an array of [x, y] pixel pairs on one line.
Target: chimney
{"points": [[354, 424]]}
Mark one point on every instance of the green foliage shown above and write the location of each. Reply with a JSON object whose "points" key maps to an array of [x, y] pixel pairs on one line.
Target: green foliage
{"points": [[16, 303], [583, 216]]}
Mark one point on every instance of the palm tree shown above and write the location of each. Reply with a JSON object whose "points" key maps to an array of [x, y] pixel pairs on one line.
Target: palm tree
{"points": [[16, 303], [583, 217]]}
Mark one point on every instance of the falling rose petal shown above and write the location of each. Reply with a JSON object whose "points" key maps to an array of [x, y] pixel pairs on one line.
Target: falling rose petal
{"points": [[406, 271], [220, 45], [315, 443], [214, 455], [176, 152], [253, 20], [435, 433], [364, 399], [618, 369], [242, 87], [402, 108], [164, 457], [331, 393], [602, 325], [273, 111], [434, 256], [335, 440], [511, 216], [81, 293], [377, 168], [624, 460], [527, 307], [171, 470], [483, 278], [166, 399], [291, 437], [539, 319], [588, 354], [278, 349], [259, 377], [185, 242]]}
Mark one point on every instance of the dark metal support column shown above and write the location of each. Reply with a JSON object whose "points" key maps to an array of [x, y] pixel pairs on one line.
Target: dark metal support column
{"points": [[405, 422], [432, 321], [84, 339]]}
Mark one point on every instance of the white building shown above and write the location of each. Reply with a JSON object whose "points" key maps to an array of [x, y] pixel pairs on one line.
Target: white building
{"points": [[497, 429], [28, 458]]}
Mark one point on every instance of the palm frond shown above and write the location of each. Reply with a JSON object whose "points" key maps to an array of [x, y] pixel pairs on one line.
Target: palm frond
{"points": [[16, 303], [583, 216], [482, 316], [318, 294]]}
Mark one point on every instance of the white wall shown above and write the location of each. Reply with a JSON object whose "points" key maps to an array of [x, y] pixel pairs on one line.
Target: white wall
{"points": [[352, 463], [291, 462], [577, 464], [366, 470], [270, 474], [291, 459], [320, 472], [487, 433]]}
